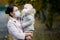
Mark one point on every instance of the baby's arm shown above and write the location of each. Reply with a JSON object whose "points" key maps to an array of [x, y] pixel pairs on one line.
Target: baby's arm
{"points": [[29, 22]]}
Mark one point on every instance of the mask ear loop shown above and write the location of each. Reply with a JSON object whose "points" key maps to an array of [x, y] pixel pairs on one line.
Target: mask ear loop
{"points": [[21, 13]]}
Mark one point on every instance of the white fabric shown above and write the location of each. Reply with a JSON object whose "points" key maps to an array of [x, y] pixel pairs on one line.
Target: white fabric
{"points": [[28, 20], [15, 29]]}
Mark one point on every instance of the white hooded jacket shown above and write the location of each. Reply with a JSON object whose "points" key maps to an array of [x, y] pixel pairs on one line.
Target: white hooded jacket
{"points": [[15, 29], [28, 20]]}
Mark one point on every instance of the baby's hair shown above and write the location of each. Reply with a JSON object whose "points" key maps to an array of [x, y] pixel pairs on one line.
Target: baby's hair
{"points": [[28, 6]]}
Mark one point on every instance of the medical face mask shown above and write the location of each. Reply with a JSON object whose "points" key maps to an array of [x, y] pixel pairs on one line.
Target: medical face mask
{"points": [[17, 13]]}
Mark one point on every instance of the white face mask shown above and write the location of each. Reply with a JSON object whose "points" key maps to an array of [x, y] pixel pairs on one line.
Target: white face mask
{"points": [[17, 13]]}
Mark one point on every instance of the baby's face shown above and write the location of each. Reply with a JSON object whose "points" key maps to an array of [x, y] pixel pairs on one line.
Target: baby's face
{"points": [[27, 8], [25, 12]]}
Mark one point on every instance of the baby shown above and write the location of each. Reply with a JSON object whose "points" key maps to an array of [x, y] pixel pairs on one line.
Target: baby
{"points": [[28, 18]]}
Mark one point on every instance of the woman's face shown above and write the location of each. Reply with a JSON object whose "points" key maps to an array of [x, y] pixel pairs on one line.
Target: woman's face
{"points": [[15, 9]]}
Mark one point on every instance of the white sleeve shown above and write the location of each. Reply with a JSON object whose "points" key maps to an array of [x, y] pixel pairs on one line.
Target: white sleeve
{"points": [[14, 31], [29, 22]]}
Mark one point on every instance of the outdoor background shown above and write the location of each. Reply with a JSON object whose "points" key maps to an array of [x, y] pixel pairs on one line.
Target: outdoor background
{"points": [[47, 18]]}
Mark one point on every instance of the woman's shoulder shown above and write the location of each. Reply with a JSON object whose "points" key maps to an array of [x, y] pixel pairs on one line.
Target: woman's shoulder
{"points": [[9, 22]]}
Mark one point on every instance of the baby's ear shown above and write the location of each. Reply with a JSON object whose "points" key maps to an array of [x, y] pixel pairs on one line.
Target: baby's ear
{"points": [[33, 11]]}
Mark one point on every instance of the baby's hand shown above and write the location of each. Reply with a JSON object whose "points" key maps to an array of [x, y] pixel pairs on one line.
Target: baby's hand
{"points": [[28, 34]]}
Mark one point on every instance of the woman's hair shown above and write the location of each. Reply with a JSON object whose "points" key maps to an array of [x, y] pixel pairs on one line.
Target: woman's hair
{"points": [[10, 9]]}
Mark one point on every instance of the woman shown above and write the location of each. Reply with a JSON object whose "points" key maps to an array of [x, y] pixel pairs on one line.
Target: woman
{"points": [[14, 26]]}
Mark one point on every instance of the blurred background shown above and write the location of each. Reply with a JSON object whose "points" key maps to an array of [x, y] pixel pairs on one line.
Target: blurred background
{"points": [[47, 18]]}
